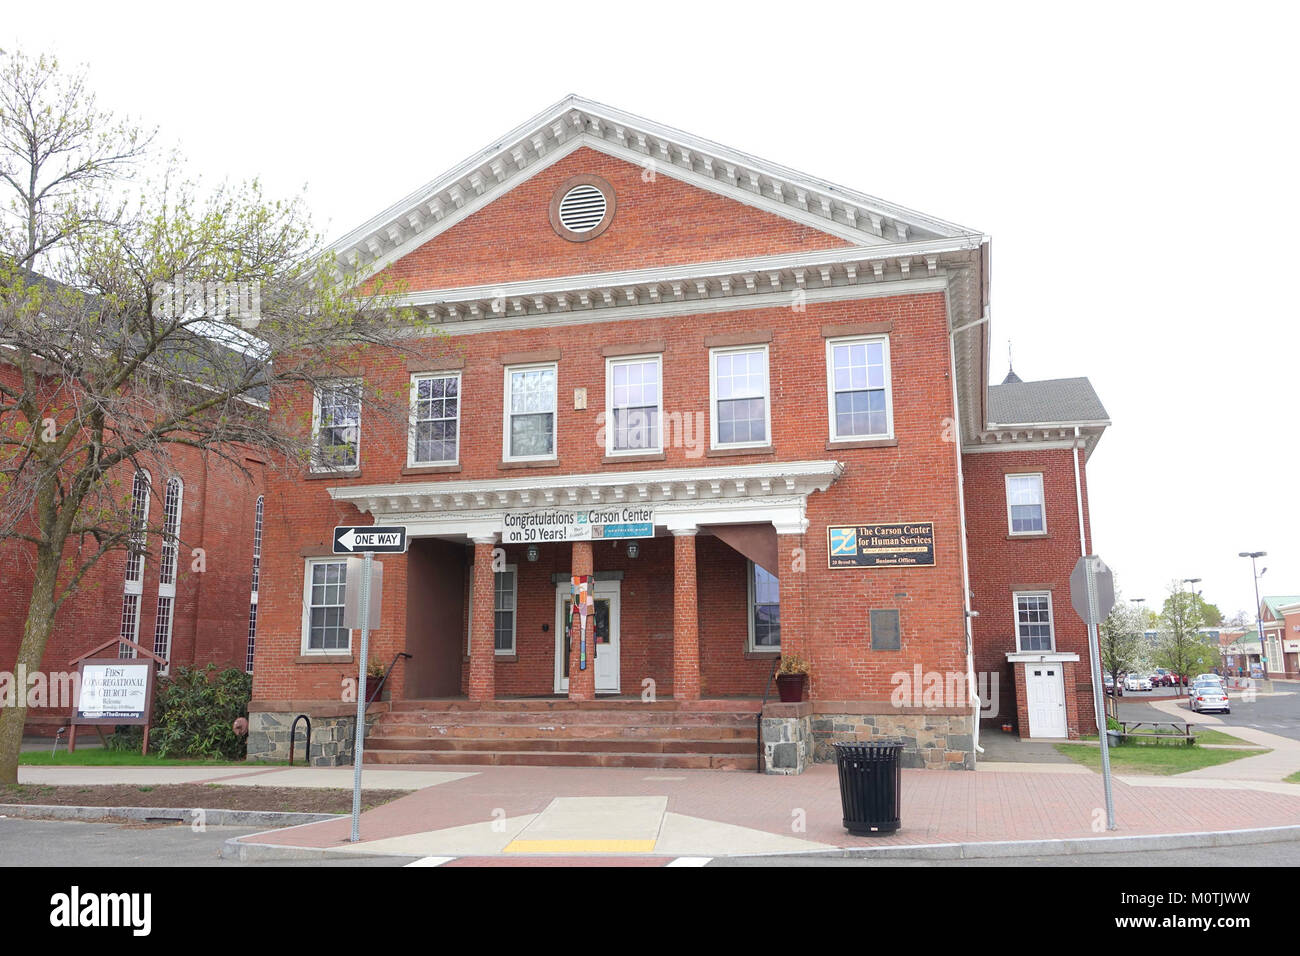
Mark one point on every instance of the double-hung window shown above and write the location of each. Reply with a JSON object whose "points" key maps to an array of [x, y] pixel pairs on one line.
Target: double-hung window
{"points": [[739, 397], [336, 426], [1025, 504], [764, 610], [634, 405], [133, 586], [1034, 621], [530, 412], [505, 589], [324, 591], [171, 532], [435, 420], [858, 388], [258, 516]]}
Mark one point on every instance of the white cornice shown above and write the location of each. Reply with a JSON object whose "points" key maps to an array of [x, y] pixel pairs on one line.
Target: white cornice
{"points": [[716, 486]]}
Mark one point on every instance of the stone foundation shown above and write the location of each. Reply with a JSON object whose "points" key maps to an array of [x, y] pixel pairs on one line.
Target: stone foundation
{"points": [[930, 741], [333, 737], [787, 738]]}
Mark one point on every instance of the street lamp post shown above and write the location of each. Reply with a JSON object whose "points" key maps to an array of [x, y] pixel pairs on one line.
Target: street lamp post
{"points": [[1259, 622]]}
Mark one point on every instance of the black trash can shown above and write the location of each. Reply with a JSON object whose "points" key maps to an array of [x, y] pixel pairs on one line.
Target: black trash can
{"points": [[871, 786]]}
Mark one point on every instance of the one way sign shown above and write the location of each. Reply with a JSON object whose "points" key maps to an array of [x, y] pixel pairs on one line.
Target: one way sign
{"points": [[390, 539]]}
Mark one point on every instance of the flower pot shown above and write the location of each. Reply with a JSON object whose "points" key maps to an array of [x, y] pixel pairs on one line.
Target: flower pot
{"points": [[790, 687]]}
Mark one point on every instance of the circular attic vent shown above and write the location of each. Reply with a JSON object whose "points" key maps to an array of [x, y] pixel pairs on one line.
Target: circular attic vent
{"points": [[582, 208]]}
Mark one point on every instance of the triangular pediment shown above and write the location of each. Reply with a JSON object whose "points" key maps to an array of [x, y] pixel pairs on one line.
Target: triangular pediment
{"points": [[695, 187]]}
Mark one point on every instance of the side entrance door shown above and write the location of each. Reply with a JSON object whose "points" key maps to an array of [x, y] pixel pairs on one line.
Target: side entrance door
{"points": [[1045, 694], [605, 649]]}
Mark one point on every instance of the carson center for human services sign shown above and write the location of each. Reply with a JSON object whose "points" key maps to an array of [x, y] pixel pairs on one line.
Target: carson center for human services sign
{"points": [[586, 524], [902, 544]]}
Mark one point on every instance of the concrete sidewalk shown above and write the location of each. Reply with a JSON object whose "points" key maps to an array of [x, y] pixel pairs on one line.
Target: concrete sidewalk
{"points": [[339, 778], [1282, 760], [519, 812]]}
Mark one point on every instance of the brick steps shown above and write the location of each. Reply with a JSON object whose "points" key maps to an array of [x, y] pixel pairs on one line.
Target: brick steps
{"points": [[531, 758], [700, 735], [567, 745]]}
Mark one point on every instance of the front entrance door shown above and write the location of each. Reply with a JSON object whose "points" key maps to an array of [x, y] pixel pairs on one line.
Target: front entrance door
{"points": [[1045, 694], [606, 642]]}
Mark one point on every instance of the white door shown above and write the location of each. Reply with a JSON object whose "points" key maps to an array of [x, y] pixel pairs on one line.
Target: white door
{"points": [[1045, 693], [605, 645]]}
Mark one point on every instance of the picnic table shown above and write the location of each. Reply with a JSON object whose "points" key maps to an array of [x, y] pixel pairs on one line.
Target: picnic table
{"points": [[1152, 729]]}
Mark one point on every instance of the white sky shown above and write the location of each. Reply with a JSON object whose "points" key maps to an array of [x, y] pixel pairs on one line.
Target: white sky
{"points": [[1135, 165]]}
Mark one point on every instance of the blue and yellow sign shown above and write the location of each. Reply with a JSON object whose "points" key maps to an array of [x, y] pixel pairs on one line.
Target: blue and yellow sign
{"points": [[903, 544]]}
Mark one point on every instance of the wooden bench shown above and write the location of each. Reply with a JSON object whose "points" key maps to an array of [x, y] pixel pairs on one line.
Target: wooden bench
{"points": [[1181, 732]]}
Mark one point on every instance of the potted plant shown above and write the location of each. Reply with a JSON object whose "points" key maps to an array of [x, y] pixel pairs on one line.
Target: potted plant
{"points": [[791, 678], [374, 674]]}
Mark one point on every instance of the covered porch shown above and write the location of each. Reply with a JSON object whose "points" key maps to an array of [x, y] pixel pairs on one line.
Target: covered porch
{"points": [[697, 609]]}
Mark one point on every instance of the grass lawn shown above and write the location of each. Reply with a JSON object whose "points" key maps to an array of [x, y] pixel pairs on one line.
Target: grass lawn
{"points": [[1294, 778], [99, 757], [1153, 758]]}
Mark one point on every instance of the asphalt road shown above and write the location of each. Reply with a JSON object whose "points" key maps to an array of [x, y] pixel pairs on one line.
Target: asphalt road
{"points": [[1278, 713], [69, 843]]}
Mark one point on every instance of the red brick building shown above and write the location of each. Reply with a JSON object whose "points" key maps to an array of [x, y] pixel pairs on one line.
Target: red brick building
{"points": [[191, 596], [750, 409]]}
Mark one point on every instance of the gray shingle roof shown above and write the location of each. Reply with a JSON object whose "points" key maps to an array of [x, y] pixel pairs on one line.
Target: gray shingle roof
{"points": [[1055, 401]]}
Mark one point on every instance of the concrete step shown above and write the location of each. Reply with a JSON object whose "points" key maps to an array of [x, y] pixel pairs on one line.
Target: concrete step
{"points": [[615, 704], [531, 758], [571, 745]]}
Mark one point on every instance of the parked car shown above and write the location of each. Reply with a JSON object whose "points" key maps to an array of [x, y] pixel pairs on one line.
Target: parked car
{"points": [[1162, 678], [1108, 682], [1205, 680], [1210, 695], [1137, 682]]}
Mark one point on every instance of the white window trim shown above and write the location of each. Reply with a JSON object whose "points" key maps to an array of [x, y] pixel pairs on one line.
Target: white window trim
{"points": [[888, 434], [610, 450], [1042, 503], [317, 466], [167, 591], [767, 397], [411, 460], [308, 564], [750, 646], [505, 413], [1051, 619], [259, 522], [514, 621]]}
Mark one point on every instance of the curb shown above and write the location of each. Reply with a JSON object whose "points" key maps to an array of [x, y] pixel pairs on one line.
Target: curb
{"points": [[1067, 847], [216, 818], [236, 849]]}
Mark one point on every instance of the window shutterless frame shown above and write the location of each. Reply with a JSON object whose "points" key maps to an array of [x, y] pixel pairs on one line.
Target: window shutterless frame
{"points": [[636, 398], [752, 573], [1031, 481], [858, 383], [737, 386], [498, 593], [1037, 603], [446, 417], [514, 376], [330, 599], [317, 464]]}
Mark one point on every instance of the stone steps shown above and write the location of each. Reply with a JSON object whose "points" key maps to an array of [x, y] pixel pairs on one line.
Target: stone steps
{"points": [[566, 745], [437, 731]]}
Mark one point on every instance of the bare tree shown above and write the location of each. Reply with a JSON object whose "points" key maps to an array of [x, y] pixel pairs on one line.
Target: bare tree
{"points": [[190, 319]]}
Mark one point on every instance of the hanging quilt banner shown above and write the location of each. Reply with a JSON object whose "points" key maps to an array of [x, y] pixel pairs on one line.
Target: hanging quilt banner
{"points": [[582, 605]]}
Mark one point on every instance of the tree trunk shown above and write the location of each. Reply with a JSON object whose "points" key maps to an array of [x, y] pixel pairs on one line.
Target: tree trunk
{"points": [[36, 633]]}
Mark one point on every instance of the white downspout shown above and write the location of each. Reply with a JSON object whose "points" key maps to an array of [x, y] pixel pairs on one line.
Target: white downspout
{"points": [[1078, 495], [965, 559]]}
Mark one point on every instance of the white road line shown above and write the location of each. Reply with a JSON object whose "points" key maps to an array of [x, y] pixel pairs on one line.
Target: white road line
{"points": [[431, 861], [691, 861]]}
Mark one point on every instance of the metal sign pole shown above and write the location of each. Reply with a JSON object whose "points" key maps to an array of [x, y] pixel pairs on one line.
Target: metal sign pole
{"points": [[359, 745], [1098, 693]]}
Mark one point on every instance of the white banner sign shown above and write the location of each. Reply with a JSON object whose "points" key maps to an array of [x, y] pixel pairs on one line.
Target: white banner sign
{"points": [[562, 524], [114, 690]]}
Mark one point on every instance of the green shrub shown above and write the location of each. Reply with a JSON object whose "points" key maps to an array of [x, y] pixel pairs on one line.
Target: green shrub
{"points": [[125, 737], [194, 710]]}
